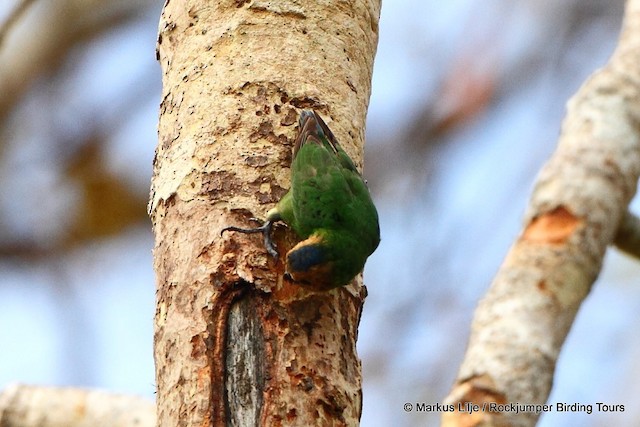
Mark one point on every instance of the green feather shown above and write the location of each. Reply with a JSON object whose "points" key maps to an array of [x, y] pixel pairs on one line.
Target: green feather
{"points": [[328, 206], [329, 202]]}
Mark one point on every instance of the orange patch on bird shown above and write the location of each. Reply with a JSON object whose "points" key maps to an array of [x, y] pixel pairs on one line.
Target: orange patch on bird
{"points": [[555, 226]]}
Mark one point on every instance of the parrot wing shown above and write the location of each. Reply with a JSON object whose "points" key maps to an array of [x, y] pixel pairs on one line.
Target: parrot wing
{"points": [[314, 130], [327, 190]]}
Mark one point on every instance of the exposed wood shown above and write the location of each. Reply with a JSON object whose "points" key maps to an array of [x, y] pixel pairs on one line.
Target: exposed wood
{"points": [[244, 365]]}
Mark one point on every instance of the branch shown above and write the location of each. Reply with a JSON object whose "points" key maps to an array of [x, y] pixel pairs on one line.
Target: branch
{"points": [[41, 40], [31, 406], [13, 17], [580, 199]]}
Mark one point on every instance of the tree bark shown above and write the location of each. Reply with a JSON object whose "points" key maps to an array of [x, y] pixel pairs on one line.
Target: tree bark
{"points": [[576, 210], [234, 345]]}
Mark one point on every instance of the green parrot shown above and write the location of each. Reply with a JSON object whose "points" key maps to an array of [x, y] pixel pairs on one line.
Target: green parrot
{"points": [[328, 206]]}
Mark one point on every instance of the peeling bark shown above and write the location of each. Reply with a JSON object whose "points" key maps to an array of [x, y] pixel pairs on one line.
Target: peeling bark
{"points": [[234, 345], [579, 205]]}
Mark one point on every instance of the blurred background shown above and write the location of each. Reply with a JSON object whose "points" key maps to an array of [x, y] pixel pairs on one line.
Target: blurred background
{"points": [[468, 97]]}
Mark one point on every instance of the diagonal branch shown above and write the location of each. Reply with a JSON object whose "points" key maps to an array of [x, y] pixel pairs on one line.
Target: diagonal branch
{"points": [[580, 199], [13, 18]]}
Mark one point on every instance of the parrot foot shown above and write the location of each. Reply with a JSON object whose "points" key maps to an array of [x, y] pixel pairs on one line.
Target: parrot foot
{"points": [[265, 229]]}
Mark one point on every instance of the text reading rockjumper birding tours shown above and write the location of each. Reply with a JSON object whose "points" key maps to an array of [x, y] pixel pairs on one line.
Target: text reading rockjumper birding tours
{"points": [[513, 408]]}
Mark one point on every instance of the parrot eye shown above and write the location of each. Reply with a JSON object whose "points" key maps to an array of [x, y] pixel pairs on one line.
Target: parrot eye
{"points": [[305, 257]]}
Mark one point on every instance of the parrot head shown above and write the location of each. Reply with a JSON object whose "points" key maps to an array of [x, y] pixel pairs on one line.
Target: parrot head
{"points": [[322, 263], [308, 262]]}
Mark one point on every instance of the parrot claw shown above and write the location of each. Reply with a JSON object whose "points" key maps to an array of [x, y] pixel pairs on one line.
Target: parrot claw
{"points": [[265, 229]]}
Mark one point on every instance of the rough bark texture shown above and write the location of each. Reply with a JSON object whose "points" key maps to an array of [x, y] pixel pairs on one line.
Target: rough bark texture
{"points": [[31, 406], [234, 344], [578, 203]]}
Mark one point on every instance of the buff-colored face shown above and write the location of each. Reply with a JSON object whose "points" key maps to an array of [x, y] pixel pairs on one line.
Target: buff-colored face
{"points": [[307, 264]]}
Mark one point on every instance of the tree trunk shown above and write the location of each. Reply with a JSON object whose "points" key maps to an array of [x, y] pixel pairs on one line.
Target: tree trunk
{"points": [[234, 344], [578, 208]]}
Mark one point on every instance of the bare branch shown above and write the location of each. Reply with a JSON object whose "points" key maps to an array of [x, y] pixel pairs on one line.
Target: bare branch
{"points": [[43, 39], [31, 406], [580, 199], [13, 17]]}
